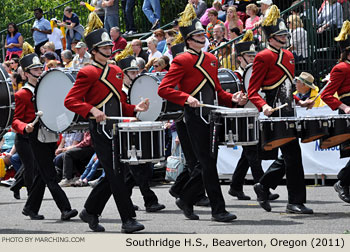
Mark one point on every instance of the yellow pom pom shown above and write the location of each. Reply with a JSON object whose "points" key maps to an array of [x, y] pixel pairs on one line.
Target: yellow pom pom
{"points": [[125, 53], [27, 49], [248, 36], [272, 16], [187, 16], [94, 23], [345, 31]]}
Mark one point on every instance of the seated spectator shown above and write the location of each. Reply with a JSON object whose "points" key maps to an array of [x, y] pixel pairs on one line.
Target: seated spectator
{"points": [[7, 141], [7, 66], [330, 16], [159, 65], [82, 57], [119, 43], [50, 47], [152, 43], [205, 18], [89, 172], [136, 46], [16, 81], [167, 62], [264, 6], [13, 42], [305, 88], [252, 11], [234, 33], [170, 33], [218, 37], [48, 56], [141, 63], [199, 7], [213, 18], [299, 45], [159, 34], [232, 21], [81, 153], [56, 38], [168, 53], [53, 64], [67, 58]]}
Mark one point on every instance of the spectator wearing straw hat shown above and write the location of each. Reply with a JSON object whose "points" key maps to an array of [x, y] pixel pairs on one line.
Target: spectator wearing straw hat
{"points": [[82, 57], [306, 88]]}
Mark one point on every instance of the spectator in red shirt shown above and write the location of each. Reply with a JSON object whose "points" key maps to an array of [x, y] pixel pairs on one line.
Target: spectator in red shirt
{"points": [[119, 43]]}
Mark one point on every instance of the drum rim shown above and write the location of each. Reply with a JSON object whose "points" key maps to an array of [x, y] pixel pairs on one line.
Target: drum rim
{"points": [[10, 96], [235, 111], [75, 118]]}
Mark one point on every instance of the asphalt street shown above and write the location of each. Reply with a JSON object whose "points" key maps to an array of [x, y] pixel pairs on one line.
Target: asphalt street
{"points": [[332, 216]]}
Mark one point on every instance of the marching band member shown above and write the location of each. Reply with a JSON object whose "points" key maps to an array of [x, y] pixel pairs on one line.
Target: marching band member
{"points": [[142, 173], [340, 82], [99, 87], [245, 51], [273, 72], [196, 75], [43, 152]]}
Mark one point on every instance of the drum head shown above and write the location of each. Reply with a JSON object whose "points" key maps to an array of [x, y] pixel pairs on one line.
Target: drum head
{"points": [[228, 80], [53, 87], [146, 86], [6, 102], [246, 76]]}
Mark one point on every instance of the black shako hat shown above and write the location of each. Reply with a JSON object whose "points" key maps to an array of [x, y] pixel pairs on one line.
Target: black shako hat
{"points": [[30, 61], [128, 64], [245, 47], [98, 38], [177, 49]]}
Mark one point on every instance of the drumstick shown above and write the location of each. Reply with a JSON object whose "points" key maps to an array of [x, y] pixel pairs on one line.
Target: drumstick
{"points": [[38, 114], [116, 118], [211, 106], [279, 107], [322, 90]]}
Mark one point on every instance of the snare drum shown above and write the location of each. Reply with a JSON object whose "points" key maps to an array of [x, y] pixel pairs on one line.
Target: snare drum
{"points": [[50, 92], [277, 131], [146, 86], [228, 80], [141, 142], [313, 128], [6, 102], [339, 131], [240, 126]]}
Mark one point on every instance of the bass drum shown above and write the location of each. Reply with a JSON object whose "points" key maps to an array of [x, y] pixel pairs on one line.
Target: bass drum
{"points": [[229, 81], [246, 78], [50, 92], [6, 102], [146, 86]]}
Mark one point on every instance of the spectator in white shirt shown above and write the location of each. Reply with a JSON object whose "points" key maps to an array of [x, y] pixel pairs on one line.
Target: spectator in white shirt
{"points": [[299, 45], [82, 57], [331, 15], [56, 37]]}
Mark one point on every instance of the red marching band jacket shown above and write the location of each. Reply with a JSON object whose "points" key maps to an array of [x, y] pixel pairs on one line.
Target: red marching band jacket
{"points": [[190, 71], [271, 68], [339, 82], [24, 111], [94, 86]]}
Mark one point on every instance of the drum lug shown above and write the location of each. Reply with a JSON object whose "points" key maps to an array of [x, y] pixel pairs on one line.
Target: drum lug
{"points": [[271, 126], [133, 154], [229, 139], [347, 123]]}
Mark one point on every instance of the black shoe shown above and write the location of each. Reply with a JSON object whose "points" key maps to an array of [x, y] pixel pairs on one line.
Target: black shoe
{"points": [[131, 225], [174, 194], [223, 217], [273, 196], [203, 202], [92, 220], [155, 25], [136, 207], [343, 192], [154, 208], [261, 192], [32, 215], [187, 210], [265, 205], [239, 194], [66, 215], [298, 209], [16, 195]]}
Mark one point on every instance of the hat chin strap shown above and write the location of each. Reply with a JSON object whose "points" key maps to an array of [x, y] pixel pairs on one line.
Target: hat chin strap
{"points": [[197, 41], [35, 76], [104, 55], [279, 41]]}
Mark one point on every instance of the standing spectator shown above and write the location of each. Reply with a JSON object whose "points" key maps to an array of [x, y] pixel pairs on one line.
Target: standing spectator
{"points": [[330, 15], [13, 42], [252, 11], [56, 37], [119, 43], [128, 9], [213, 18], [136, 46], [151, 8], [111, 13], [159, 34], [199, 7], [97, 4], [205, 18], [299, 46], [232, 20], [75, 30], [67, 58], [41, 28], [152, 43], [82, 57]]}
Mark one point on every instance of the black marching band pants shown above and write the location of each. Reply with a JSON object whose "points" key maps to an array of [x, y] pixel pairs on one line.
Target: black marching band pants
{"points": [[199, 133], [44, 154], [113, 182]]}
